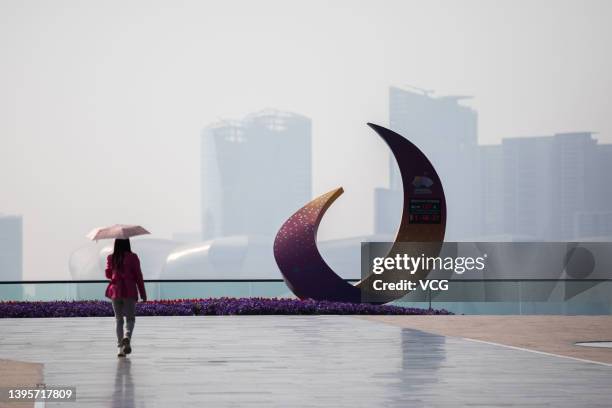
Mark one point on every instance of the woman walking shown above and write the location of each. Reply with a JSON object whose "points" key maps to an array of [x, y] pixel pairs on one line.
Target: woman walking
{"points": [[126, 283]]}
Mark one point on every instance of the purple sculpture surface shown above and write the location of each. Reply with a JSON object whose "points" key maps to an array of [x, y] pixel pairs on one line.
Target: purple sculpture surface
{"points": [[423, 220]]}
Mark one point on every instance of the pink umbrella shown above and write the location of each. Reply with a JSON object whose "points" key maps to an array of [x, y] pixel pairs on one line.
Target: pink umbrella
{"points": [[117, 231]]}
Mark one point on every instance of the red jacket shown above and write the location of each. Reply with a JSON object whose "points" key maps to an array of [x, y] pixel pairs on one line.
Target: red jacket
{"points": [[125, 281]]}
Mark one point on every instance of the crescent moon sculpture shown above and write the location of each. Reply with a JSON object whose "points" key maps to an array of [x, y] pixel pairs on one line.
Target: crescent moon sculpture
{"points": [[295, 246]]}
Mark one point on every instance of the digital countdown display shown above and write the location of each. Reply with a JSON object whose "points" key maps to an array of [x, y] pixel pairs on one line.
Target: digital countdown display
{"points": [[424, 211]]}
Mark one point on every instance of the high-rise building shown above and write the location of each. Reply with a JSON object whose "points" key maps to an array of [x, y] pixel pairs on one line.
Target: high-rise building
{"points": [[593, 225], [446, 132], [255, 173], [11, 252], [602, 198], [547, 181], [527, 197], [576, 178], [491, 190], [541, 188], [595, 221]]}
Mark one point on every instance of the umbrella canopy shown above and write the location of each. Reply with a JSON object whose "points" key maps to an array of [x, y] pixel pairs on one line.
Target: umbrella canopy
{"points": [[117, 231]]}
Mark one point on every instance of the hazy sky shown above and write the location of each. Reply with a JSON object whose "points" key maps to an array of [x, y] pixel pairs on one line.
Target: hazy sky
{"points": [[102, 102]]}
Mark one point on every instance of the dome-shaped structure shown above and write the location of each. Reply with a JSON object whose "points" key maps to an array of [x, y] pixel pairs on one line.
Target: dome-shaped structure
{"points": [[242, 257], [235, 257], [89, 261]]}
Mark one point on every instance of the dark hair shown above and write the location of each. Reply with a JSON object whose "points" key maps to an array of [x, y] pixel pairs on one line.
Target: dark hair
{"points": [[122, 246]]}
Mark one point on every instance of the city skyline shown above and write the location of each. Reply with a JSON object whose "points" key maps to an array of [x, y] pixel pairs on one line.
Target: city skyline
{"points": [[102, 113], [541, 188], [491, 159]]}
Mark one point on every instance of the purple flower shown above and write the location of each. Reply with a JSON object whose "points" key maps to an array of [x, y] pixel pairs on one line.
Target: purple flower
{"points": [[206, 307]]}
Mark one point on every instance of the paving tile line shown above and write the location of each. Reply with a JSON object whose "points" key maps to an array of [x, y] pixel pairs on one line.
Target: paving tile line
{"points": [[492, 343], [536, 351]]}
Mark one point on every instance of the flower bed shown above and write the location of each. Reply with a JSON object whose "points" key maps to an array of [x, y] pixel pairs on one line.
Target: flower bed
{"points": [[206, 307]]}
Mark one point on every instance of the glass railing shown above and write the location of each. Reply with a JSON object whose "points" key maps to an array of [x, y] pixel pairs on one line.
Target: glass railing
{"points": [[466, 297], [545, 296], [156, 289]]}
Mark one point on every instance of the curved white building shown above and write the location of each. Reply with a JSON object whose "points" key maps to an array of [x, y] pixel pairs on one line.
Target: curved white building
{"points": [[235, 257]]}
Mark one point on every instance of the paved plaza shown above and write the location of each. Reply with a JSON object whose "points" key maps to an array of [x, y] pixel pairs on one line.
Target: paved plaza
{"points": [[291, 361]]}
